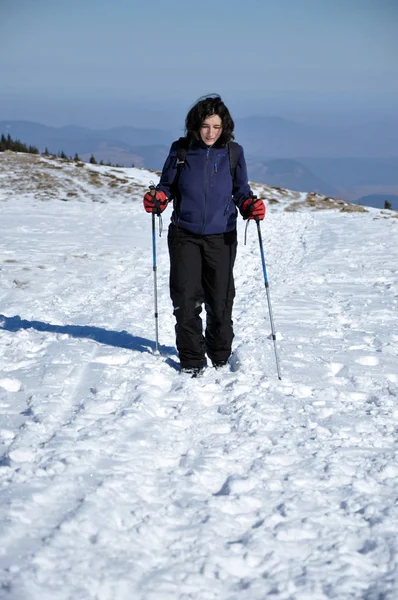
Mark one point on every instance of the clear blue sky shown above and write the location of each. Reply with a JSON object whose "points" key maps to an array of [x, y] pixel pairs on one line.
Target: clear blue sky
{"points": [[103, 62]]}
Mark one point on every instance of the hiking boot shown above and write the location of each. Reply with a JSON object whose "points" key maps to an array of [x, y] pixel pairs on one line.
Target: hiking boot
{"points": [[193, 371], [219, 364]]}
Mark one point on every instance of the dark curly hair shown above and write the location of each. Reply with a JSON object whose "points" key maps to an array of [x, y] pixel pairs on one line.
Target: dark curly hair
{"points": [[206, 107]]}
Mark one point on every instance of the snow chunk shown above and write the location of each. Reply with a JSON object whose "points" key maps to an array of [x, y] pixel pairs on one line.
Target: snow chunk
{"points": [[22, 456], [368, 361], [10, 384]]}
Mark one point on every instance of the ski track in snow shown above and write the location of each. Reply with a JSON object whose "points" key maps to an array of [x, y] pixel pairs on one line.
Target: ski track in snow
{"points": [[121, 478]]}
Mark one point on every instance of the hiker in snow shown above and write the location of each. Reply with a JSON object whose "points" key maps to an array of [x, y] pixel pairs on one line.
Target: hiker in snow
{"points": [[206, 177]]}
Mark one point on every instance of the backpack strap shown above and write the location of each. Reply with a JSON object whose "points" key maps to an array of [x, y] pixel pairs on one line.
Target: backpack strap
{"points": [[182, 149], [234, 154]]}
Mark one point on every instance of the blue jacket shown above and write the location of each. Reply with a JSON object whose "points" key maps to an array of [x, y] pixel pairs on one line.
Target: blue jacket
{"points": [[208, 198]]}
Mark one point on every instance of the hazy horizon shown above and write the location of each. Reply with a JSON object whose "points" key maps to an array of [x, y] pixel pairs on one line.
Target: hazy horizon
{"points": [[169, 114], [99, 65]]}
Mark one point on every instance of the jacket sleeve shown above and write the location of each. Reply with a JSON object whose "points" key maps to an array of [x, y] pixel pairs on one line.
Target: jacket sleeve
{"points": [[241, 190], [169, 172]]}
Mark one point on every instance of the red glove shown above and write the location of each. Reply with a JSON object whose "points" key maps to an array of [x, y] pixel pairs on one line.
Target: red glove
{"points": [[253, 208], [155, 204]]}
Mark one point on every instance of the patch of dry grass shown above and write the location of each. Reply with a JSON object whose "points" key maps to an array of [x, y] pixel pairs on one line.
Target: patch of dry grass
{"points": [[353, 208], [43, 181], [115, 180], [318, 202], [47, 165], [95, 178]]}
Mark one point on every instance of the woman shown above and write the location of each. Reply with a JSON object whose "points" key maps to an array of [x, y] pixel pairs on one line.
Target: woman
{"points": [[206, 189]]}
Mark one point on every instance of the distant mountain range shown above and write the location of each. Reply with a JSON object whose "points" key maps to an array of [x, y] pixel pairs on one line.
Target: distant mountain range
{"points": [[290, 174], [279, 152], [274, 137], [123, 144]]}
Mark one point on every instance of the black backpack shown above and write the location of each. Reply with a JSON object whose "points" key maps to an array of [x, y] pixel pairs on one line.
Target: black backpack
{"points": [[182, 149]]}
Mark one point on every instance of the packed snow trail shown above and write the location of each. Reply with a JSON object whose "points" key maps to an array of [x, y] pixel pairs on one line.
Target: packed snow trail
{"points": [[122, 478]]}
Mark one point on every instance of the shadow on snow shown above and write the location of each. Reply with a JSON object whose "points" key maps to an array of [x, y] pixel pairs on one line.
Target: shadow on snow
{"points": [[119, 339]]}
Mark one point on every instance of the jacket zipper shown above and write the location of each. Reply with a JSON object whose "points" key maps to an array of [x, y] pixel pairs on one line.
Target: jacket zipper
{"points": [[205, 190]]}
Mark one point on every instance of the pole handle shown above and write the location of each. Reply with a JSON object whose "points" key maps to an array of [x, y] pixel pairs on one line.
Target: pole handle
{"points": [[156, 209]]}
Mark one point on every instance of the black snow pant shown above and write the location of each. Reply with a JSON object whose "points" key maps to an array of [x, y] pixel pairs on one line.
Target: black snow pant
{"points": [[201, 271]]}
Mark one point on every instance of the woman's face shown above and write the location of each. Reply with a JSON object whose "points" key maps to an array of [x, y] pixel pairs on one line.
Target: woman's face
{"points": [[211, 129]]}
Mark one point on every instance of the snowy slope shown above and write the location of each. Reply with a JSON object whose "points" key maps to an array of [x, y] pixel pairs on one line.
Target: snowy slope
{"points": [[120, 478]]}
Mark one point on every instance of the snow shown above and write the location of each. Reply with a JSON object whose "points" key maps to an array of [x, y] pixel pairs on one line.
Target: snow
{"points": [[121, 478]]}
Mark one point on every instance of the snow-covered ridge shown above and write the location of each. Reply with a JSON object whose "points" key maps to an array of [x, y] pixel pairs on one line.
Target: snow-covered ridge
{"points": [[47, 178], [122, 479]]}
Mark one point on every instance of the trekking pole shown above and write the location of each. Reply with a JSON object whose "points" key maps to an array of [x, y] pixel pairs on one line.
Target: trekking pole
{"points": [[152, 191], [260, 241]]}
